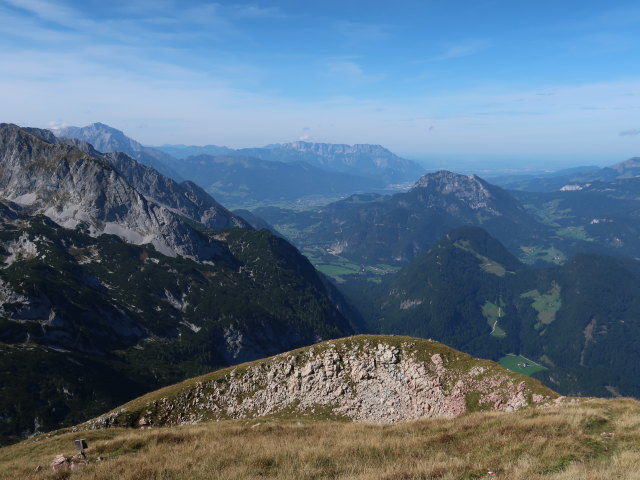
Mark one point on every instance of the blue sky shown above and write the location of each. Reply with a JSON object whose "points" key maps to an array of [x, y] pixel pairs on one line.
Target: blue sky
{"points": [[558, 81]]}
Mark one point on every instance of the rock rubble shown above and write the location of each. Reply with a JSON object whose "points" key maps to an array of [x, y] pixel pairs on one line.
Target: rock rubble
{"points": [[361, 381]]}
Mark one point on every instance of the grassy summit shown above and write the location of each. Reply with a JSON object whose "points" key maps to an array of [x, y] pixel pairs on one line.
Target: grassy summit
{"points": [[580, 439], [384, 379]]}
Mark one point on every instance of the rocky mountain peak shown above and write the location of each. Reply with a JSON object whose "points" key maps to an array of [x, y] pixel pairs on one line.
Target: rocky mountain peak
{"points": [[470, 189], [107, 139], [103, 137], [628, 168], [333, 148]]}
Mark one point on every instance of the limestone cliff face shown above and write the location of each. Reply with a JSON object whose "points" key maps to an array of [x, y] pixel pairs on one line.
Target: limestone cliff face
{"points": [[366, 160], [76, 186], [366, 378]]}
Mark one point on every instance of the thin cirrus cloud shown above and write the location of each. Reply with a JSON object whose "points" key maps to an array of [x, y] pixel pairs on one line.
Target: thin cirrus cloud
{"points": [[254, 11], [351, 71], [49, 11], [362, 32], [459, 51]]}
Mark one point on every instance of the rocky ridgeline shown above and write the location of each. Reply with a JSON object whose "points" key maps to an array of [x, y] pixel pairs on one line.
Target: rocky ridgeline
{"points": [[366, 378], [76, 186]]}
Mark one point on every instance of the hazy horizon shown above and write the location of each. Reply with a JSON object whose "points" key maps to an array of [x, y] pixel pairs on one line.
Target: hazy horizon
{"points": [[546, 83]]}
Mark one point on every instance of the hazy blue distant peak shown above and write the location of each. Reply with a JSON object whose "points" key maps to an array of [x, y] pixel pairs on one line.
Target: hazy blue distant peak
{"points": [[632, 163], [332, 147], [185, 151], [107, 139], [103, 137]]}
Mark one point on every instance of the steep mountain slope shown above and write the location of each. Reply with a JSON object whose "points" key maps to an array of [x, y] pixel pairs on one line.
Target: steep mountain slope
{"points": [[442, 292], [372, 229], [245, 180], [578, 320], [185, 198], [364, 160], [364, 378], [107, 139], [88, 322], [74, 188]]}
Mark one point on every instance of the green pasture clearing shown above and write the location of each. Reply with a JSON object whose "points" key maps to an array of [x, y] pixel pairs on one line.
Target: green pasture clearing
{"points": [[486, 264], [337, 267], [547, 305], [574, 233], [381, 269], [549, 212], [515, 364], [494, 268], [532, 253], [338, 270], [492, 313]]}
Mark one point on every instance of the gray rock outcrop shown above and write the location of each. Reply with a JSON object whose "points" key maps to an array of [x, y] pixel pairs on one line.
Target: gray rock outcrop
{"points": [[363, 380], [75, 188]]}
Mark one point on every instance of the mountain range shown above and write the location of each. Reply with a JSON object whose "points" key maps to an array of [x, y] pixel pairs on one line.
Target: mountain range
{"points": [[276, 173], [540, 228], [117, 280], [372, 161], [377, 229]]}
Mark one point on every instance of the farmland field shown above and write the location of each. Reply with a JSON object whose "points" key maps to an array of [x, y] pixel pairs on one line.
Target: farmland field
{"points": [[515, 362]]}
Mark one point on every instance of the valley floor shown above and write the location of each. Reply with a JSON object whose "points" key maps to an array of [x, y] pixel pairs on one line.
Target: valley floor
{"points": [[579, 439]]}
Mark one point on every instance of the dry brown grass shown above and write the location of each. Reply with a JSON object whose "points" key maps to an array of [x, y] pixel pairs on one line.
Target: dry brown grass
{"points": [[588, 439]]}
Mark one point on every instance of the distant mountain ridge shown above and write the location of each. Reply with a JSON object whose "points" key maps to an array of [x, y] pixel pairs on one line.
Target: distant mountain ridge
{"points": [[572, 178], [373, 161], [361, 159], [107, 139], [279, 172]]}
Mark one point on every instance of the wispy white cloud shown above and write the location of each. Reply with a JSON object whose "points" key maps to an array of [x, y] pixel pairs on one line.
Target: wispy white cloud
{"points": [[50, 11], [362, 32], [255, 11], [351, 71], [460, 50]]}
